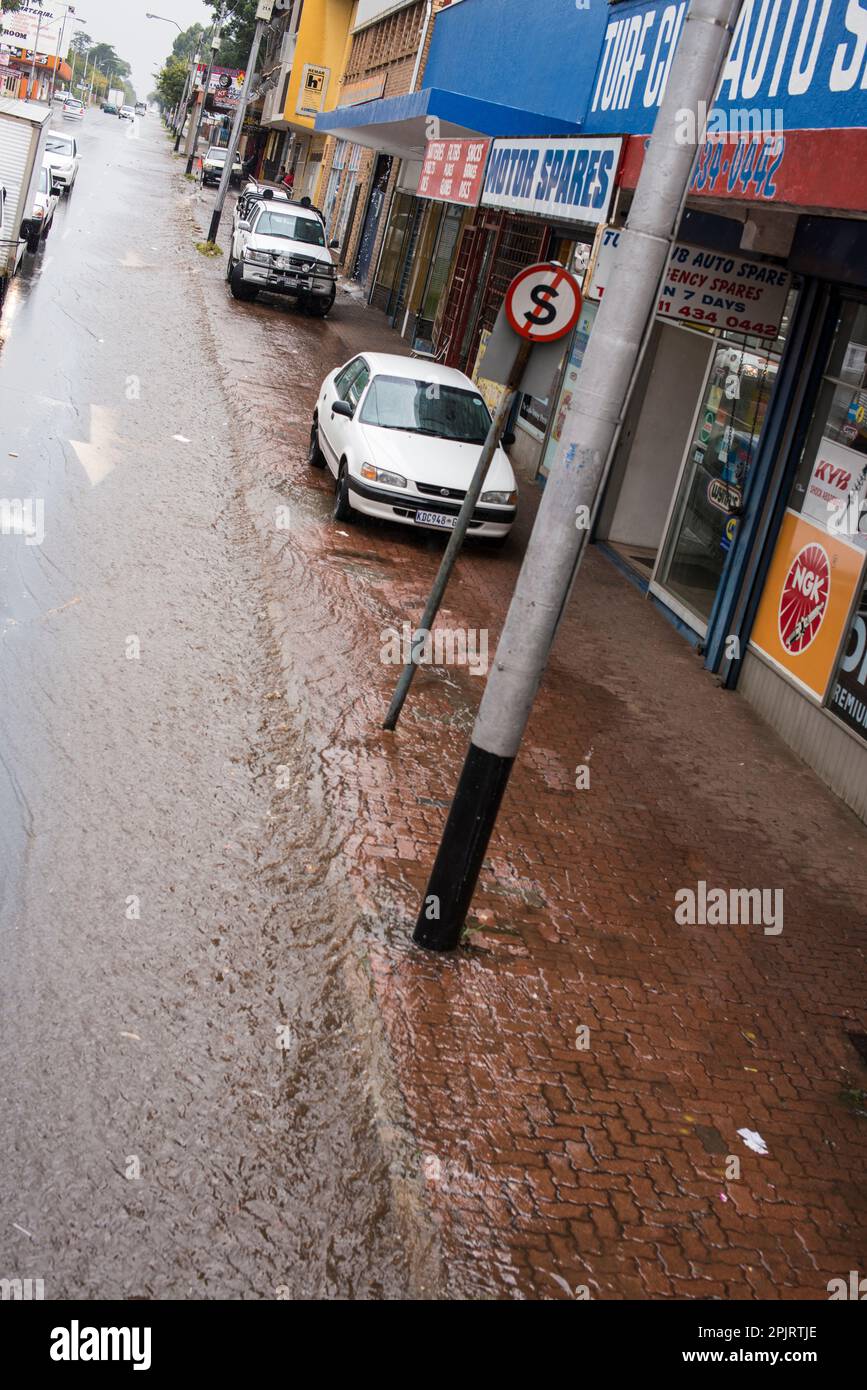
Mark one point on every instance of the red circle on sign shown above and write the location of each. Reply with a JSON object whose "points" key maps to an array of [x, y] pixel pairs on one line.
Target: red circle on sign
{"points": [[804, 598], [551, 276]]}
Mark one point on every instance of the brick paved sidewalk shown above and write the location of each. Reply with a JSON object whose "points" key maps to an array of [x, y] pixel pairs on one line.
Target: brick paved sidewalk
{"points": [[549, 1165]]}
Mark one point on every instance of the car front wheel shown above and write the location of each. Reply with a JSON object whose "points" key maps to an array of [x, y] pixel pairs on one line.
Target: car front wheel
{"points": [[239, 289], [342, 505], [315, 456]]}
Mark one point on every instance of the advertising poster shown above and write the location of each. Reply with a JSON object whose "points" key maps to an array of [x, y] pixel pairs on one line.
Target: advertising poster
{"points": [[806, 602], [570, 382], [836, 496], [225, 86], [452, 171], [849, 691], [35, 28]]}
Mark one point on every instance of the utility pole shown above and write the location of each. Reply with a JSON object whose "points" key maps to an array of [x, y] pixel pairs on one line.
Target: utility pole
{"points": [[33, 59], [263, 18], [185, 100], [215, 45], [568, 501]]}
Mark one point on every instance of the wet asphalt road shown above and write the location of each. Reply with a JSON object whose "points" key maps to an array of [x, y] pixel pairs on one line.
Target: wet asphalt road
{"points": [[184, 1103]]}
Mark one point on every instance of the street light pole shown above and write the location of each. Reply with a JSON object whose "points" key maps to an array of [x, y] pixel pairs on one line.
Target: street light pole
{"points": [[569, 500], [237, 125], [33, 59], [215, 45], [189, 85]]}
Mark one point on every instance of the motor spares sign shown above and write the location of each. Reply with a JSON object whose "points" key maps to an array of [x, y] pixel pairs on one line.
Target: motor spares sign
{"points": [[708, 289], [806, 602], [34, 28], [452, 171], [570, 180]]}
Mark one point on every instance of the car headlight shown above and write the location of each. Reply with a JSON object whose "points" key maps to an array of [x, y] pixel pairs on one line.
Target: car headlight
{"points": [[502, 499], [258, 257], [382, 475]]}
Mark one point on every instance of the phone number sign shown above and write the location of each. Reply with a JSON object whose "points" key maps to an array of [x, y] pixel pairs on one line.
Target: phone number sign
{"points": [[709, 289]]}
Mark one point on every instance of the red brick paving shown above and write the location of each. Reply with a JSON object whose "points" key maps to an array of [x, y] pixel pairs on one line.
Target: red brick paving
{"points": [[549, 1167]]}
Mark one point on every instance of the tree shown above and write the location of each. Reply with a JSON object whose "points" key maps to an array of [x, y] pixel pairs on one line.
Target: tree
{"points": [[10, 5], [170, 82], [237, 34], [185, 44], [81, 45]]}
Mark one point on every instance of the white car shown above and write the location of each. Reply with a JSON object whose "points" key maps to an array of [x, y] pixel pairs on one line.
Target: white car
{"points": [[214, 163], [73, 109], [61, 152], [279, 246], [126, 113], [42, 217], [402, 438]]}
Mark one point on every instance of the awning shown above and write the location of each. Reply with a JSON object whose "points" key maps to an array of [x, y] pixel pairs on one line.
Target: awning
{"points": [[400, 125]]}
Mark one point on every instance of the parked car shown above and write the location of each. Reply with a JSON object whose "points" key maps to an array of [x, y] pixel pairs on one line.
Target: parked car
{"points": [[44, 206], [279, 246], [214, 163], [126, 113], [109, 108], [61, 152], [73, 109], [402, 438]]}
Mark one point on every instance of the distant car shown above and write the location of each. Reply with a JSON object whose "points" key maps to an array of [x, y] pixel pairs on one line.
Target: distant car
{"points": [[214, 163], [73, 109], [61, 152], [42, 217], [141, 108], [402, 438], [126, 113], [279, 246], [109, 108]]}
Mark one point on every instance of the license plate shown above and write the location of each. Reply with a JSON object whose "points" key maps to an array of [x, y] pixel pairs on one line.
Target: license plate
{"points": [[447, 523]]}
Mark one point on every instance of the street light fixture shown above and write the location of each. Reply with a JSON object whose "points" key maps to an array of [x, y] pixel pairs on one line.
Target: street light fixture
{"points": [[165, 21]]}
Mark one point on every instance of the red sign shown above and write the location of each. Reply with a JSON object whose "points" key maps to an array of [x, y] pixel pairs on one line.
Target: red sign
{"points": [[804, 598], [453, 171], [543, 303]]}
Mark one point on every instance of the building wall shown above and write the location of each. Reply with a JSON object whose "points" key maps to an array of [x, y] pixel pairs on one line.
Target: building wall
{"points": [[323, 36]]}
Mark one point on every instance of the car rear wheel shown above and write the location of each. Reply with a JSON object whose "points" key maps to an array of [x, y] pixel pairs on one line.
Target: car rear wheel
{"points": [[319, 308], [238, 287], [315, 456], [342, 505]]}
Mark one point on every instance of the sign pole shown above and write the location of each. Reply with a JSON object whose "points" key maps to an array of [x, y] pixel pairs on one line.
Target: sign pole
{"points": [[456, 539], [541, 305], [215, 44], [560, 532], [237, 124]]}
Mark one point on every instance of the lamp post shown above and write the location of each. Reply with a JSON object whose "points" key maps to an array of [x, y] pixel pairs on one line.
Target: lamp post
{"points": [[164, 20], [214, 45], [68, 10], [33, 59]]}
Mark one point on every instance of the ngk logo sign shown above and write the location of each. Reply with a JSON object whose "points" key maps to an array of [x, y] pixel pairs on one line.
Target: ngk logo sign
{"points": [[804, 598]]}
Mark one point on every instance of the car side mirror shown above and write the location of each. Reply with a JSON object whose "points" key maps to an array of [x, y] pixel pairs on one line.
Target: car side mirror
{"points": [[334, 246], [342, 408], [508, 439], [245, 226], [56, 189]]}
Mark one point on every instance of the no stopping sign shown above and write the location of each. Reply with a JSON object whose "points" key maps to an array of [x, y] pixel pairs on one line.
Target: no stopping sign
{"points": [[543, 302]]}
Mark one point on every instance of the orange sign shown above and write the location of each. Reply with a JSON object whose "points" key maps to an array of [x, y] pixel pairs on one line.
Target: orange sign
{"points": [[806, 602]]}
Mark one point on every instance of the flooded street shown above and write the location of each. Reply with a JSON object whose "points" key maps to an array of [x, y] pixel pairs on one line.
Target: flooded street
{"points": [[186, 1109]]}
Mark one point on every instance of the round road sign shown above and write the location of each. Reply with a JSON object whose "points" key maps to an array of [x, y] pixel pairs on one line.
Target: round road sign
{"points": [[543, 302]]}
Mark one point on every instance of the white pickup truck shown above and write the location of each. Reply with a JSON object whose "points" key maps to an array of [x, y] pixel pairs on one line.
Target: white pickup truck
{"points": [[23, 132]]}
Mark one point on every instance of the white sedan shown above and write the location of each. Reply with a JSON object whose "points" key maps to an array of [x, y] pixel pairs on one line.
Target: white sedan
{"points": [[402, 438]]}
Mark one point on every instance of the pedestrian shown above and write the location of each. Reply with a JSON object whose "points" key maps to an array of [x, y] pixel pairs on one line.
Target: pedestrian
{"points": [[287, 180]]}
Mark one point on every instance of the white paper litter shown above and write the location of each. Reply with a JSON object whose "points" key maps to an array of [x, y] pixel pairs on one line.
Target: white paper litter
{"points": [[753, 1140]]}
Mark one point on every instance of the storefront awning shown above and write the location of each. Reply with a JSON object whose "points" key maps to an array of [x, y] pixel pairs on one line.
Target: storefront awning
{"points": [[400, 125]]}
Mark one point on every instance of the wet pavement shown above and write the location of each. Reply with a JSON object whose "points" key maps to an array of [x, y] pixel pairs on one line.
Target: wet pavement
{"points": [[316, 1107], [186, 1105]]}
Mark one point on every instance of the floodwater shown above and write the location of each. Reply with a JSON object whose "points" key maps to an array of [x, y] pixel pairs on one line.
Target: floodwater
{"points": [[185, 1098]]}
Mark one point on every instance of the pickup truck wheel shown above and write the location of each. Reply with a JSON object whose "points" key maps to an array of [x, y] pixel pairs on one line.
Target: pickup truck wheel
{"points": [[239, 289], [33, 244], [318, 308], [230, 266], [342, 506], [315, 456]]}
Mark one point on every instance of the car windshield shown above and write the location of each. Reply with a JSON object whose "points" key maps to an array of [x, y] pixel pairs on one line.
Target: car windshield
{"points": [[217, 156], [55, 144], [424, 407], [308, 229]]}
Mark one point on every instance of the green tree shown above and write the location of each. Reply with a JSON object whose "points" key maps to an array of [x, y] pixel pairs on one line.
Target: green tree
{"points": [[9, 5], [170, 82], [185, 44], [237, 34], [81, 45]]}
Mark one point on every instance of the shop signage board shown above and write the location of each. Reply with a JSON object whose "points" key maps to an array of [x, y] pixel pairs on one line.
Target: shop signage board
{"points": [[806, 602], [312, 89], [570, 179], [453, 170], [35, 28], [708, 289], [225, 86], [836, 496], [849, 691], [366, 89]]}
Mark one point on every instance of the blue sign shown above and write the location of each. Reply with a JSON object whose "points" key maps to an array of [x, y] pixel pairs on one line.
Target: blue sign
{"points": [[802, 64]]}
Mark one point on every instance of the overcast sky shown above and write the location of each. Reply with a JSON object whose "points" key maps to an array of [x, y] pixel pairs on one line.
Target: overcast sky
{"points": [[144, 43]]}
